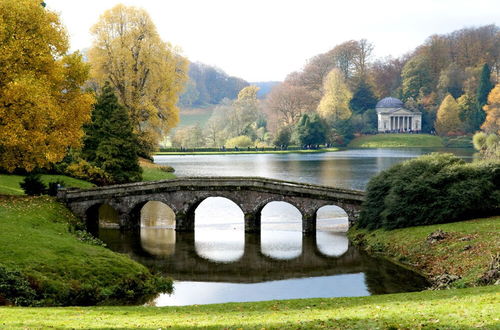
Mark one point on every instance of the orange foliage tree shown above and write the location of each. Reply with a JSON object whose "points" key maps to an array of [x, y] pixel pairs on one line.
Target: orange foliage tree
{"points": [[42, 107]]}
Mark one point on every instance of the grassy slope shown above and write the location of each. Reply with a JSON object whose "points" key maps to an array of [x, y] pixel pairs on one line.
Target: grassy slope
{"points": [[248, 152], [396, 141], [459, 309], [9, 184], [466, 251], [154, 172], [193, 117], [35, 241]]}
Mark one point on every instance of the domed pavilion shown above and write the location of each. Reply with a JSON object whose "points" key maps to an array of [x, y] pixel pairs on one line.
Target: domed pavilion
{"points": [[394, 118]]}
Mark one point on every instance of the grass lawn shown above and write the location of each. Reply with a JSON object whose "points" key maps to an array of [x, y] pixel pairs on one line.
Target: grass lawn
{"points": [[9, 184], [191, 117], [466, 251], [309, 151], [397, 141], [446, 309], [37, 242], [155, 172]]}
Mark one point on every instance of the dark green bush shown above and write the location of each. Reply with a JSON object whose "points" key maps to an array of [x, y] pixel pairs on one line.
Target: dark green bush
{"points": [[431, 189], [33, 185], [54, 187], [15, 289]]}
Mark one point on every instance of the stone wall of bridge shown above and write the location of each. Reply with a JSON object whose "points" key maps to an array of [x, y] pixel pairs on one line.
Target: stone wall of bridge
{"points": [[184, 195]]}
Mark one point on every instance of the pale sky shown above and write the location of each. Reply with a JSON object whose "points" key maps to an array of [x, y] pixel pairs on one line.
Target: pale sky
{"points": [[262, 40]]}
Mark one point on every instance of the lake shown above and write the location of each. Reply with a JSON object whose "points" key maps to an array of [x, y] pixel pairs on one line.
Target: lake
{"points": [[219, 262]]}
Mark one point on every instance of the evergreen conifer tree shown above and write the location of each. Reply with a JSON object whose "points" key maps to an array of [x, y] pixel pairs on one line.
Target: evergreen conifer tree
{"points": [[363, 98], [485, 86], [110, 143], [483, 90]]}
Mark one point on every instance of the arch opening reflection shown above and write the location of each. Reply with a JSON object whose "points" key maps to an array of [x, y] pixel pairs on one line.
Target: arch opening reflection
{"points": [[281, 231], [331, 225], [108, 217], [157, 229], [219, 231]]}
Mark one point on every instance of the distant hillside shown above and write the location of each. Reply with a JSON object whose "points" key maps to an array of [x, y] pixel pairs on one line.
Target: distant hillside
{"points": [[208, 85], [265, 87]]}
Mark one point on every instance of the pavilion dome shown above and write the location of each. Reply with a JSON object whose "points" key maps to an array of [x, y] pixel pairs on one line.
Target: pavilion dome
{"points": [[390, 102]]}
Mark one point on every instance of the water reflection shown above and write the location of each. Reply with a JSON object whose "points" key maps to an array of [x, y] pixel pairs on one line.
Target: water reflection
{"points": [[346, 169], [332, 244], [158, 241], [219, 232], [108, 217], [281, 231]]}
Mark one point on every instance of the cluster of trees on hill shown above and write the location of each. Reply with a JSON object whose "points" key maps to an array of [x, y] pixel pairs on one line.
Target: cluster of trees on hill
{"points": [[447, 79], [463, 66], [208, 85]]}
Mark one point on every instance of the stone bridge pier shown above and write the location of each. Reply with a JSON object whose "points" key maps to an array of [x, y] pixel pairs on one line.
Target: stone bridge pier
{"points": [[184, 195]]}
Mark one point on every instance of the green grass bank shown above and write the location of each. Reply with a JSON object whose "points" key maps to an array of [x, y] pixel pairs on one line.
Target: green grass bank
{"points": [[446, 309], [9, 183], [397, 141], [465, 250], [40, 240]]}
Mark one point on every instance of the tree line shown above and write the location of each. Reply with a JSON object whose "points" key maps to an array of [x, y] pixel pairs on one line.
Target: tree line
{"points": [[447, 79]]}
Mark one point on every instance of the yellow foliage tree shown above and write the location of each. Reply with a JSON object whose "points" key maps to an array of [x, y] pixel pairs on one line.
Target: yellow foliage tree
{"points": [[448, 120], [42, 107], [334, 104], [492, 108], [147, 73]]}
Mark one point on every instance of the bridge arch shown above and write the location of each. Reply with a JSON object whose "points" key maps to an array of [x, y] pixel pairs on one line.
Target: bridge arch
{"points": [[219, 229], [101, 214], [281, 230]]}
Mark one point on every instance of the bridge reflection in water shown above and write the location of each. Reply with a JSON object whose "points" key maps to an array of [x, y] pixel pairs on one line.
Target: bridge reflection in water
{"points": [[220, 251]]}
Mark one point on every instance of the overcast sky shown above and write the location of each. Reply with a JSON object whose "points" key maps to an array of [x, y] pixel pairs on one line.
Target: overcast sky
{"points": [[262, 40]]}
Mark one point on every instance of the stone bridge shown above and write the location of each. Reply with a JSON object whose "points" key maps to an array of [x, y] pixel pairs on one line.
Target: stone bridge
{"points": [[183, 196]]}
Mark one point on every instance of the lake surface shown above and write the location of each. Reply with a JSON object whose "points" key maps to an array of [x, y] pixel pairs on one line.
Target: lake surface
{"points": [[350, 169], [219, 262]]}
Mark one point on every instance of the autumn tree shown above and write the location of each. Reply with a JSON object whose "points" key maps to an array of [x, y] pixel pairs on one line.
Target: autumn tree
{"points": [[188, 137], [492, 109], [245, 111], [147, 73], [451, 80], [42, 107], [416, 77], [468, 112], [334, 104], [385, 76], [110, 143], [288, 102], [448, 120]]}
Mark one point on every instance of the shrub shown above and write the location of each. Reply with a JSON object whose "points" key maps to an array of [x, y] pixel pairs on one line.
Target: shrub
{"points": [[86, 171], [241, 141], [33, 185], [15, 289], [431, 189], [54, 187]]}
